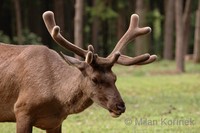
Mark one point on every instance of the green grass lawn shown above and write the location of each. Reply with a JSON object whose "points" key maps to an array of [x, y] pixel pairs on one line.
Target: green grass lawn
{"points": [[164, 101]]}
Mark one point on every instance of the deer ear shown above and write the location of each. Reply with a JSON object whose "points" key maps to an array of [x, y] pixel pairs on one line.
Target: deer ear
{"points": [[73, 61]]}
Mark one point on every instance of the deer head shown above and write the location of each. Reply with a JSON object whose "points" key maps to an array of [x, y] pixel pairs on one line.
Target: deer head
{"points": [[98, 80]]}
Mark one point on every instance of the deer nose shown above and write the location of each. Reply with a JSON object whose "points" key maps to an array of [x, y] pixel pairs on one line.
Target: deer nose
{"points": [[121, 107]]}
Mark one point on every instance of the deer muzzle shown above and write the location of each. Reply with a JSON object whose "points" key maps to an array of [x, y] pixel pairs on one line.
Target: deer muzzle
{"points": [[120, 108]]}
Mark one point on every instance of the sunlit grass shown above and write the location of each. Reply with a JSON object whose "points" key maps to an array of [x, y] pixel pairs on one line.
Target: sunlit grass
{"points": [[151, 92]]}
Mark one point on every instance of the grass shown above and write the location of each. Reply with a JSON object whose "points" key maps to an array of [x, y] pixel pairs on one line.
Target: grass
{"points": [[163, 100]]}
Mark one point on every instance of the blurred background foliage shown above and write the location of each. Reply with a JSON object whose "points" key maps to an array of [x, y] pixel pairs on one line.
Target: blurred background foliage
{"points": [[105, 22]]}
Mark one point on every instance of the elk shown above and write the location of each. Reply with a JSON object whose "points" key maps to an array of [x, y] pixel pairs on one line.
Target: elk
{"points": [[40, 87]]}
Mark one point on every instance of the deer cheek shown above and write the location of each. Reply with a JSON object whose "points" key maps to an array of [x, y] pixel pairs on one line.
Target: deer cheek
{"points": [[92, 95], [99, 98]]}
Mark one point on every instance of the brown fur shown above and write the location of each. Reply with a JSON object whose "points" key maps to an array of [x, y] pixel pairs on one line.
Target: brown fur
{"points": [[38, 88]]}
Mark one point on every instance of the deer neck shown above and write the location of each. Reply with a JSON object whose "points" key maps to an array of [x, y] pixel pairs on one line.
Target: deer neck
{"points": [[79, 103], [75, 99]]}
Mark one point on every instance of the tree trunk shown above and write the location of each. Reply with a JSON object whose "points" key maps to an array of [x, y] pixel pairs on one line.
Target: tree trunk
{"points": [[59, 14], [18, 21], [78, 24], [95, 33], [179, 36], [142, 43], [36, 14], [186, 25], [197, 37], [121, 25], [105, 26], [95, 29], [169, 30]]}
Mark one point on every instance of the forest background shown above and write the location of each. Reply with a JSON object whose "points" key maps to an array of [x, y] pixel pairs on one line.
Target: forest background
{"points": [[175, 25]]}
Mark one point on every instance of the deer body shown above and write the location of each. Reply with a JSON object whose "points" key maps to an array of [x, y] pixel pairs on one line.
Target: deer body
{"points": [[39, 87]]}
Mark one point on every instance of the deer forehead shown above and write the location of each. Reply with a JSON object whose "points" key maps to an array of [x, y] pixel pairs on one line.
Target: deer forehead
{"points": [[104, 75]]}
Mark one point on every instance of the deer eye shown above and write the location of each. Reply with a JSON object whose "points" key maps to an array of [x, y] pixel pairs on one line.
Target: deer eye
{"points": [[95, 80]]}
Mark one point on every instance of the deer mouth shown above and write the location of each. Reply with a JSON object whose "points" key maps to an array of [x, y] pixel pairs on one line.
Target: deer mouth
{"points": [[114, 114]]}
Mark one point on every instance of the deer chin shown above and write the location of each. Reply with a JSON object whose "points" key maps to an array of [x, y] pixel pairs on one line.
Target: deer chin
{"points": [[114, 114]]}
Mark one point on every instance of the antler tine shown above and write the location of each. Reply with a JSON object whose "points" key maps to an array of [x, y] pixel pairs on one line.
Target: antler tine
{"points": [[54, 30], [128, 61], [150, 60], [132, 32], [107, 61]]}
